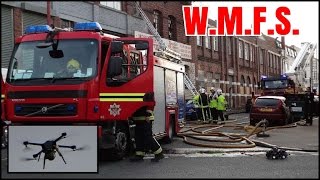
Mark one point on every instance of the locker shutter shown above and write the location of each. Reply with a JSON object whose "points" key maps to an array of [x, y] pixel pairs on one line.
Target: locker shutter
{"points": [[30, 18], [6, 35]]}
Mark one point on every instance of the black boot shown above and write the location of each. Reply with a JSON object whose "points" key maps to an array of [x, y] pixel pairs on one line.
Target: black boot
{"points": [[136, 158], [157, 157]]}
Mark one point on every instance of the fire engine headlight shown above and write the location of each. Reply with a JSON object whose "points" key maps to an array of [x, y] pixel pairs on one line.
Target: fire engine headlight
{"points": [[71, 107], [18, 108]]}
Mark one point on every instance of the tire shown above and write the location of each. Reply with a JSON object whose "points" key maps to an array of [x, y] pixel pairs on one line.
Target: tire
{"points": [[171, 132], [122, 145]]}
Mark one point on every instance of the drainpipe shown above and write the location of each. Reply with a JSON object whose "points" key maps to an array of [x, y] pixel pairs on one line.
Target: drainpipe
{"points": [[49, 13]]}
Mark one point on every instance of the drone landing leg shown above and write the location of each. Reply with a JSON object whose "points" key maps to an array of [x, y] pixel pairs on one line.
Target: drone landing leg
{"points": [[44, 162], [38, 154], [61, 155]]}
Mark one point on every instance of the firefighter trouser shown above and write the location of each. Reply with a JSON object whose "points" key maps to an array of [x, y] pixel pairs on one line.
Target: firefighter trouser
{"points": [[214, 113], [220, 114], [144, 139], [205, 113]]}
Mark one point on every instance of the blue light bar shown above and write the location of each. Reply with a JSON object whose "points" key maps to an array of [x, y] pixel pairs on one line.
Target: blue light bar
{"points": [[283, 76], [263, 77], [87, 26], [38, 29]]}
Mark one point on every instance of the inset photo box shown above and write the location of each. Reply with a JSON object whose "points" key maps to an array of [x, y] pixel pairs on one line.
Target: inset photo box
{"points": [[52, 149]]}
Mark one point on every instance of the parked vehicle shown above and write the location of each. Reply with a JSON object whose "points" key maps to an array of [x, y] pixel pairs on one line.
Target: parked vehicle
{"points": [[271, 108], [191, 113]]}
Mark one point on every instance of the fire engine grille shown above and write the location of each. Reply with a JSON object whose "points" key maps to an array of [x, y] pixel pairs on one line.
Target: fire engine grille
{"points": [[36, 110]]}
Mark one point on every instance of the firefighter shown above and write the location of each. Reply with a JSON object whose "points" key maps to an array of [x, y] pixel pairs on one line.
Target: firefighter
{"points": [[145, 141], [204, 105], [196, 103], [309, 101], [221, 104], [213, 104], [73, 66]]}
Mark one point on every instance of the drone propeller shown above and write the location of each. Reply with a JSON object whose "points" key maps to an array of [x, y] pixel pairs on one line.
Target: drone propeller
{"points": [[82, 148]]}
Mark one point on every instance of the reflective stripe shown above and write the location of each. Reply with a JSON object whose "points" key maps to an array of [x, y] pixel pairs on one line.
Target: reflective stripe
{"points": [[140, 153], [121, 99], [3, 96], [139, 118], [158, 151], [122, 94], [142, 118]]}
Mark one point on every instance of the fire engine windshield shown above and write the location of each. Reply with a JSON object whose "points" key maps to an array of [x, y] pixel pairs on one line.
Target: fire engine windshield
{"points": [[276, 84], [30, 63]]}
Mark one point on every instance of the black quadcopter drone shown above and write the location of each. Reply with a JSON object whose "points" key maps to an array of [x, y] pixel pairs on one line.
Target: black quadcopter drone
{"points": [[49, 148]]}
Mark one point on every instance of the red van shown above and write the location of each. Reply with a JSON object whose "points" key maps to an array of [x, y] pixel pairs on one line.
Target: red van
{"points": [[271, 108]]}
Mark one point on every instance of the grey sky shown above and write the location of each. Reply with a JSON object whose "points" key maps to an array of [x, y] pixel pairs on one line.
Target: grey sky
{"points": [[77, 161]]}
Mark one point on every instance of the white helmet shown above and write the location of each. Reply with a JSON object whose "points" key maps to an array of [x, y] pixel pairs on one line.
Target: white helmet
{"points": [[202, 90], [212, 89], [219, 91]]}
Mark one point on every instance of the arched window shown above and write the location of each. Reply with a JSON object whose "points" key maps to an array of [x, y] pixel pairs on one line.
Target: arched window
{"points": [[242, 82], [157, 21], [172, 28], [248, 81]]}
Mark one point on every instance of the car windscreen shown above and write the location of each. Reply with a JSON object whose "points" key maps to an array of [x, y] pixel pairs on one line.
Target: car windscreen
{"points": [[267, 102]]}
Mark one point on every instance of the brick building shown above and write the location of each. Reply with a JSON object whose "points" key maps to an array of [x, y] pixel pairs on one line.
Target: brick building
{"points": [[233, 64]]}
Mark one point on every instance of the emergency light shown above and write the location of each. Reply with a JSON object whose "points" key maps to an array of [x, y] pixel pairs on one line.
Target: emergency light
{"points": [[283, 76], [87, 26], [263, 77], [38, 29]]}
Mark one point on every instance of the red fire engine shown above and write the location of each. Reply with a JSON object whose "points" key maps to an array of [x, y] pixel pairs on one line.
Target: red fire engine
{"points": [[116, 77]]}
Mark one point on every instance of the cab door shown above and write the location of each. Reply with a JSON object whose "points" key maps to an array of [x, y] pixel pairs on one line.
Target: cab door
{"points": [[126, 78]]}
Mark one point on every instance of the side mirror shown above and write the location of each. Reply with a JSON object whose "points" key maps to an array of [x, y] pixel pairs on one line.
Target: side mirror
{"points": [[142, 46], [56, 53], [116, 47], [115, 68]]}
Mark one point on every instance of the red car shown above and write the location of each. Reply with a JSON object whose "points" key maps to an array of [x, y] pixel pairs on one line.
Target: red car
{"points": [[271, 108]]}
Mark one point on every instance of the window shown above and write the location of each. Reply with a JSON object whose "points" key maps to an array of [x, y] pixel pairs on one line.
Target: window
{"points": [[112, 4], [215, 43], [172, 28], [240, 49], [251, 53], [246, 57], [199, 40], [207, 42], [261, 56], [134, 63], [156, 20], [36, 63], [242, 83], [67, 24], [229, 40]]}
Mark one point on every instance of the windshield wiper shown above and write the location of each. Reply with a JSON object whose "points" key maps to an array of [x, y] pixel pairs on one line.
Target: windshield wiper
{"points": [[53, 79], [30, 79]]}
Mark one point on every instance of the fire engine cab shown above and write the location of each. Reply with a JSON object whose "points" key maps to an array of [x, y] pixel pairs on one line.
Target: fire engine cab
{"points": [[113, 78]]}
